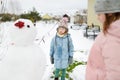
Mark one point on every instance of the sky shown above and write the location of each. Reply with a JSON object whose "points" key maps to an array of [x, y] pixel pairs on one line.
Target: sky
{"points": [[45, 6]]}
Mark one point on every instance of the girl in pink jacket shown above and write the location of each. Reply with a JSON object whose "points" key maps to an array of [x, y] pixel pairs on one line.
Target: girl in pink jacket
{"points": [[104, 59]]}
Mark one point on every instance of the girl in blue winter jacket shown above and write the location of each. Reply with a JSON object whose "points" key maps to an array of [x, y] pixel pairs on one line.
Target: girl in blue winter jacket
{"points": [[61, 49]]}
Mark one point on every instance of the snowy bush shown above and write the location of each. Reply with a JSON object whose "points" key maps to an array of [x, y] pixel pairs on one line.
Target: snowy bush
{"points": [[70, 69]]}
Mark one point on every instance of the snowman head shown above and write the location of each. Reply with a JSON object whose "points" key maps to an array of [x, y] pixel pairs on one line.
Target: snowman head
{"points": [[23, 32]]}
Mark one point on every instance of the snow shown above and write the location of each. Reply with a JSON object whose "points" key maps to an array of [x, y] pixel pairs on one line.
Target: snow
{"points": [[22, 60], [78, 73], [46, 32]]}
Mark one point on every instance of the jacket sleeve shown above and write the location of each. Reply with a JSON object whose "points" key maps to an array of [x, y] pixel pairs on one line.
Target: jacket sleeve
{"points": [[52, 48], [71, 47], [95, 64]]}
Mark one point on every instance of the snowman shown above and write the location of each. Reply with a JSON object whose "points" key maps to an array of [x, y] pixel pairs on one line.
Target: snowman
{"points": [[23, 60]]}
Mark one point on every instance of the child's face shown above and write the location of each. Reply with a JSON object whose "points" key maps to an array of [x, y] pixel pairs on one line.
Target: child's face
{"points": [[101, 18], [61, 31]]}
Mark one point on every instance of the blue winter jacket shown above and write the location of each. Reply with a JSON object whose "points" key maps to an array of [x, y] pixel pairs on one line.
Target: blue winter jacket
{"points": [[61, 49]]}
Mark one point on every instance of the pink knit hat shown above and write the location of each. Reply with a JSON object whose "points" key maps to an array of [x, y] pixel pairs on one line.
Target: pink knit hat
{"points": [[63, 27]]}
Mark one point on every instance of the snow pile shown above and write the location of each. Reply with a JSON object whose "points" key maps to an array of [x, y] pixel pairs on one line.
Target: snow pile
{"points": [[22, 59]]}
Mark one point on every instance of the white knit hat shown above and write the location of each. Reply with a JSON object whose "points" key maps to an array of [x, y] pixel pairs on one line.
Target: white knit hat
{"points": [[107, 6]]}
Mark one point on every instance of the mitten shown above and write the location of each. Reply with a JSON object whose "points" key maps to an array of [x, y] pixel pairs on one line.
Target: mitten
{"points": [[70, 60], [52, 60]]}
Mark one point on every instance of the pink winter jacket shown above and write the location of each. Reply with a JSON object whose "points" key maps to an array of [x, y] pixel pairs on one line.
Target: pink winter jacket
{"points": [[104, 59]]}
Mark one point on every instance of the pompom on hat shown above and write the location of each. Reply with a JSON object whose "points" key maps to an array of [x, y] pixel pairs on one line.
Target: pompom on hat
{"points": [[107, 6]]}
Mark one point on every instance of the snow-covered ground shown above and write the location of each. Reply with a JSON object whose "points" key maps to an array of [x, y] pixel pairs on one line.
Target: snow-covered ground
{"points": [[82, 46]]}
